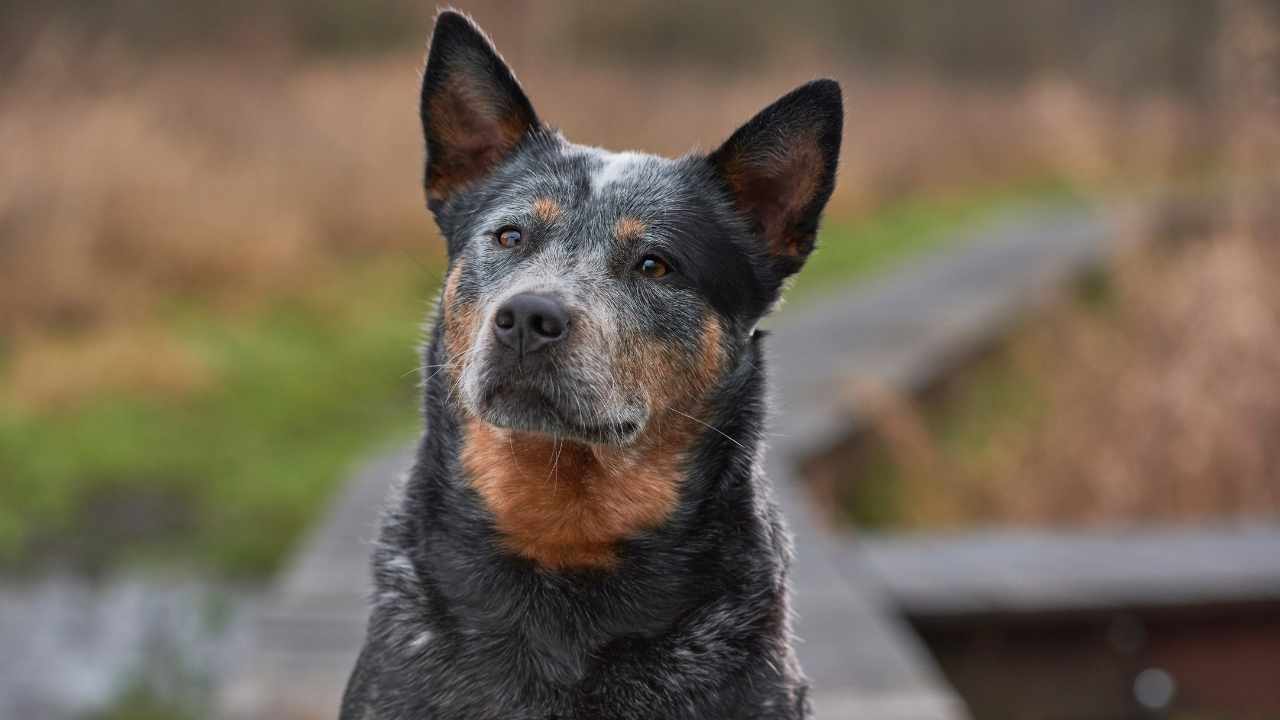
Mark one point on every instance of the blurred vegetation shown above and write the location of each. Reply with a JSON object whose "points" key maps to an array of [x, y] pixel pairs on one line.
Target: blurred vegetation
{"points": [[229, 474], [1160, 45], [1145, 392], [310, 26]]}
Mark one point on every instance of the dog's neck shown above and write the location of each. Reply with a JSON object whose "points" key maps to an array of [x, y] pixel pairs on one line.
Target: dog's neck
{"points": [[566, 505]]}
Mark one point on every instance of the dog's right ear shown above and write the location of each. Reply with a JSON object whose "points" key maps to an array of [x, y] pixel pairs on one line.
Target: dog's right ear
{"points": [[474, 113]]}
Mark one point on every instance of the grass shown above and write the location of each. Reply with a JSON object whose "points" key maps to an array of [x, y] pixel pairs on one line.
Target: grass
{"points": [[226, 471], [227, 476]]}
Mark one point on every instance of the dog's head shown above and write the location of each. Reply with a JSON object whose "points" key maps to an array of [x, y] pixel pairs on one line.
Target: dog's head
{"points": [[593, 293]]}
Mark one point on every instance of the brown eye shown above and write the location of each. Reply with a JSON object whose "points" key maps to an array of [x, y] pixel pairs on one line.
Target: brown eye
{"points": [[652, 267], [509, 237]]}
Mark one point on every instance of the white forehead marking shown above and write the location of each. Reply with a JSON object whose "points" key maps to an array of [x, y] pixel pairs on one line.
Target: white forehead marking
{"points": [[614, 167]]}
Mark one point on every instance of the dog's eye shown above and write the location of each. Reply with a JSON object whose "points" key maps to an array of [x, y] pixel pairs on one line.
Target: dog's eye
{"points": [[509, 237], [653, 267]]}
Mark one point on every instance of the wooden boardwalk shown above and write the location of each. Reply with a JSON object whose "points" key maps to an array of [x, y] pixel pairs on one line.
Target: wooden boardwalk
{"points": [[1031, 572], [898, 332]]}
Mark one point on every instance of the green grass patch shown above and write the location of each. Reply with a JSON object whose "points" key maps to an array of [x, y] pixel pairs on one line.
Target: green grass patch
{"points": [[227, 478]]}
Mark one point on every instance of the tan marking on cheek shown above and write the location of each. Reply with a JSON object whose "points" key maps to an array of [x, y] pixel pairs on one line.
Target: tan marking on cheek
{"points": [[547, 210], [451, 283], [712, 357], [459, 317], [629, 228], [654, 366], [670, 377], [676, 385]]}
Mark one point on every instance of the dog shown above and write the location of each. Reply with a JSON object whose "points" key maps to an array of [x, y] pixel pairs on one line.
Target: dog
{"points": [[586, 532]]}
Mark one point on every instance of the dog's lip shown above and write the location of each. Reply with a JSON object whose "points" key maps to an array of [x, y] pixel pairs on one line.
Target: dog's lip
{"points": [[604, 432]]}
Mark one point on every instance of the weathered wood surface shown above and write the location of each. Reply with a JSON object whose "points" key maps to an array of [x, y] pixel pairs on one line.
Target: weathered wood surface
{"points": [[1035, 571]]}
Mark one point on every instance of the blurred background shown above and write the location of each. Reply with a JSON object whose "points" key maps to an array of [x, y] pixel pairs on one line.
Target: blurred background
{"points": [[215, 263]]}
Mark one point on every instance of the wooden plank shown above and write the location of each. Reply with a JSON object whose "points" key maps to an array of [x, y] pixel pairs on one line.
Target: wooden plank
{"points": [[1024, 571]]}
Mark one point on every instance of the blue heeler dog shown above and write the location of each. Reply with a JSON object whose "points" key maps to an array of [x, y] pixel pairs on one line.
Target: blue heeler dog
{"points": [[587, 533]]}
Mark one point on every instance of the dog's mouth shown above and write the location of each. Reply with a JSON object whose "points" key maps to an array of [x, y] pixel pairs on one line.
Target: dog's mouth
{"points": [[522, 407]]}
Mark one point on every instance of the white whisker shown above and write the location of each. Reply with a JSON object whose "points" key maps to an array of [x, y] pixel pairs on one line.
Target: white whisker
{"points": [[440, 369], [555, 466], [711, 427]]}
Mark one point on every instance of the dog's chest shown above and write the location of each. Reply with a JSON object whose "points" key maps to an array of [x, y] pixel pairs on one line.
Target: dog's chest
{"points": [[501, 679]]}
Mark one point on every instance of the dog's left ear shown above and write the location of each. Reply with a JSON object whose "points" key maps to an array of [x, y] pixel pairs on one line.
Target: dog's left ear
{"points": [[474, 113], [780, 169]]}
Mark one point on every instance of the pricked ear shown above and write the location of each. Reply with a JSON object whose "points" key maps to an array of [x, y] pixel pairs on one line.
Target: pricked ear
{"points": [[780, 169], [474, 113]]}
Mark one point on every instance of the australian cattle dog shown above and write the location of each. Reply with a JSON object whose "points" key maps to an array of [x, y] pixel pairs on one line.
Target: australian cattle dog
{"points": [[587, 532]]}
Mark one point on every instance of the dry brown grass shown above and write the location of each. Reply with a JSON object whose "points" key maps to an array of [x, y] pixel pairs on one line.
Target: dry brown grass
{"points": [[1158, 401], [1151, 396], [1162, 406], [1168, 407], [142, 185], [51, 372]]}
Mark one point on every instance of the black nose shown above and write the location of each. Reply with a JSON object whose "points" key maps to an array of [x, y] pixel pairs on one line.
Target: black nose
{"points": [[529, 322]]}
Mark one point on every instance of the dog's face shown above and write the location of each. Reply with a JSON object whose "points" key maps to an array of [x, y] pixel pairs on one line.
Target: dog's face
{"points": [[593, 294], [586, 296]]}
